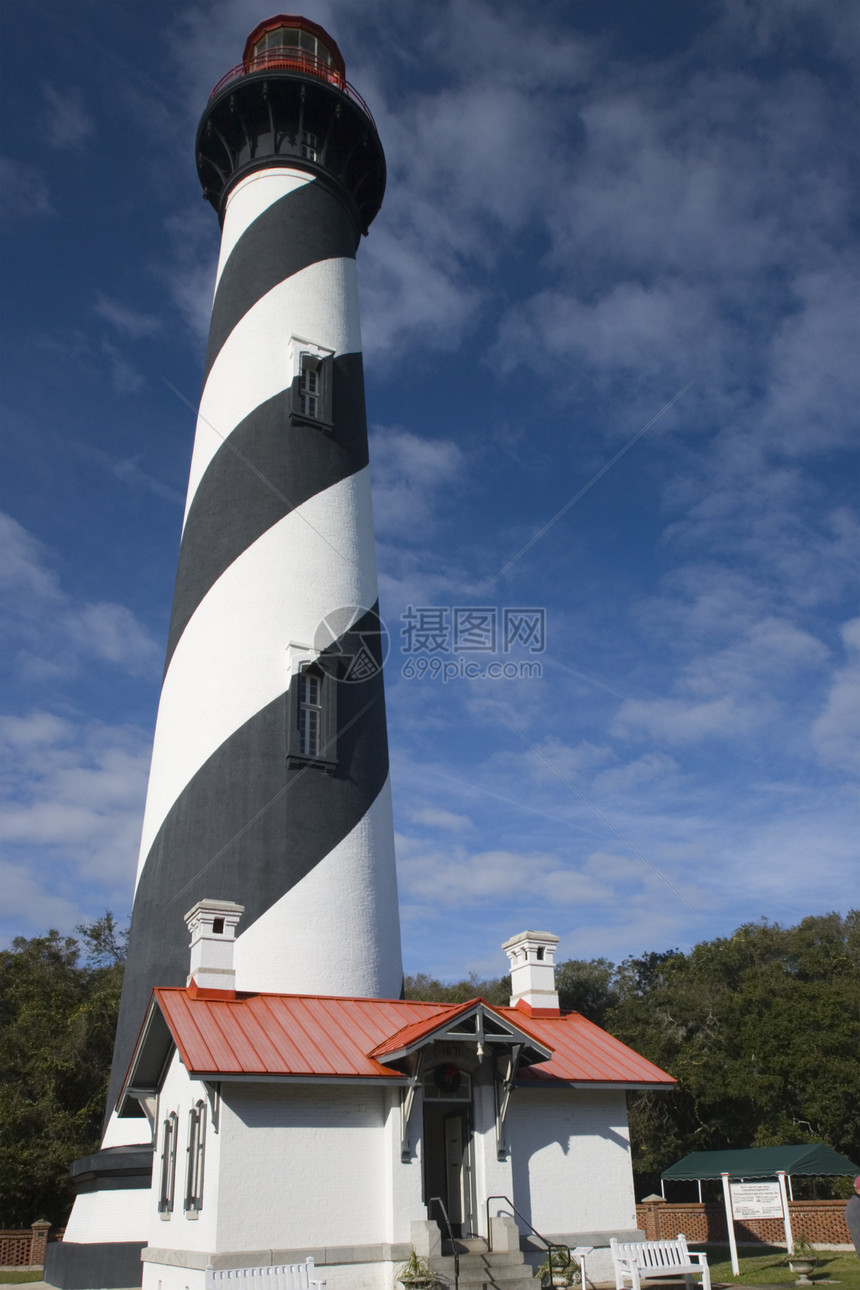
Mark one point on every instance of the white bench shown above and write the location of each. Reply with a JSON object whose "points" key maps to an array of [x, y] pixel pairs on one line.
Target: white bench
{"points": [[286, 1276], [638, 1261]]}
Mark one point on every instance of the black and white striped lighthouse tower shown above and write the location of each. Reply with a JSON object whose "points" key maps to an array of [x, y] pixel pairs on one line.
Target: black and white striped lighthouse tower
{"points": [[269, 783]]}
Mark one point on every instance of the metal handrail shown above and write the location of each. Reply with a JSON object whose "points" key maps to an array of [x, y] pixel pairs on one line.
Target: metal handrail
{"points": [[550, 1245], [298, 61], [440, 1202]]}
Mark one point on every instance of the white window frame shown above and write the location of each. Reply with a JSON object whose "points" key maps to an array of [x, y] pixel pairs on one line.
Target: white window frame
{"points": [[302, 659], [310, 712], [308, 359]]}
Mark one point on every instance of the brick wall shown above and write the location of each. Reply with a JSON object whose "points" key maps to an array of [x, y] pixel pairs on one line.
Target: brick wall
{"points": [[24, 1248], [822, 1222]]}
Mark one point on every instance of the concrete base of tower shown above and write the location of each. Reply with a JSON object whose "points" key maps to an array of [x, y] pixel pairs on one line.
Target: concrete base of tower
{"points": [[108, 1224], [104, 1265]]}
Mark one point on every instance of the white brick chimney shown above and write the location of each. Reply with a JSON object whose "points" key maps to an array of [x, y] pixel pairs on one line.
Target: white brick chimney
{"points": [[531, 956], [212, 924]]}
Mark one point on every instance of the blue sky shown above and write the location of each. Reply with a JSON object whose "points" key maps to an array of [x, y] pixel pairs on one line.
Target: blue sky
{"points": [[597, 214]]}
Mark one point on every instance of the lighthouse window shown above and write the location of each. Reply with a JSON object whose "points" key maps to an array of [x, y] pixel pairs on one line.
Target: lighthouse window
{"points": [[289, 41], [195, 1154], [309, 387], [312, 730], [310, 711], [310, 144], [311, 398]]}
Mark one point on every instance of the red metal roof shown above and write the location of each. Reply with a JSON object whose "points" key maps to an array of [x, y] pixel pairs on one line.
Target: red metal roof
{"points": [[329, 1037], [582, 1052]]}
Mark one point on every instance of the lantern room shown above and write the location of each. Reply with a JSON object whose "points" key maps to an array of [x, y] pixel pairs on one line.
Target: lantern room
{"points": [[288, 40]]}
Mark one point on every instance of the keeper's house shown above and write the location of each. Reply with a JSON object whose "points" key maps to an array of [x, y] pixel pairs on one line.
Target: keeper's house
{"points": [[286, 1125]]}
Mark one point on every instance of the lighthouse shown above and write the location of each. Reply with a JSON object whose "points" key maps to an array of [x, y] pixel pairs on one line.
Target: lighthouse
{"points": [[269, 784]]}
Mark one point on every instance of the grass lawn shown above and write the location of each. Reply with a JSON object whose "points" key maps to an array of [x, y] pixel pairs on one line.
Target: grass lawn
{"points": [[18, 1278], [771, 1269]]}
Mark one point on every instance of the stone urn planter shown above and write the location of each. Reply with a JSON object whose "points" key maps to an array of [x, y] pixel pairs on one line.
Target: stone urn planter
{"points": [[802, 1267], [802, 1259], [417, 1274], [558, 1269]]}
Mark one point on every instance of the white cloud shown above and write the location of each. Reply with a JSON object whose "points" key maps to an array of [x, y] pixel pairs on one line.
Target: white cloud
{"points": [[437, 818], [189, 274], [67, 120], [814, 373], [409, 473], [23, 190], [124, 377], [682, 721], [836, 732], [130, 471], [71, 802], [128, 321], [47, 634], [458, 877]]}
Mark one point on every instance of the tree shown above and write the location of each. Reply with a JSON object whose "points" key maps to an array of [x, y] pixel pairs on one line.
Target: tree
{"points": [[57, 1022], [495, 991], [587, 986], [761, 1029]]}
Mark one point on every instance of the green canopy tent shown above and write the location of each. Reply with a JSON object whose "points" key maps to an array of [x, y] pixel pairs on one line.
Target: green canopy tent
{"points": [[759, 1162], [762, 1162]]}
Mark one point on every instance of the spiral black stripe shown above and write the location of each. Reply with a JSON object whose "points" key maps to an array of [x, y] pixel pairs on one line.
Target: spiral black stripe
{"points": [[292, 831], [300, 229], [280, 466]]}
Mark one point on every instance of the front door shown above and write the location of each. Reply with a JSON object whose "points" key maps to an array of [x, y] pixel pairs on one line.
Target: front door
{"points": [[447, 1171], [457, 1171]]}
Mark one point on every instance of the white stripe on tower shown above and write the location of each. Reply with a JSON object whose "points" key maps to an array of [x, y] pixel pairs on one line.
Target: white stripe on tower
{"points": [[278, 534]]}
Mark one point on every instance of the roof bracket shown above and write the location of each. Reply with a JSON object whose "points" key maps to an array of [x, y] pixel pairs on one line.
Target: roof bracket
{"points": [[504, 1087], [407, 1103], [213, 1093]]}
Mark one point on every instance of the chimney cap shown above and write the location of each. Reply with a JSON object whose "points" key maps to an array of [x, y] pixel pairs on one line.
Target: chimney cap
{"points": [[215, 907], [545, 937]]}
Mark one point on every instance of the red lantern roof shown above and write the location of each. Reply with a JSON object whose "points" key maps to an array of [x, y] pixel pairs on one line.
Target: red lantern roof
{"points": [[310, 42]]}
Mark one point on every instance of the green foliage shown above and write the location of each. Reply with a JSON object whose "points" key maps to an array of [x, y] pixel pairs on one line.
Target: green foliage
{"points": [[424, 987], [558, 1260], [761, 1029], [802, 1250], [587, 986], [416, 1268], [57, 1021]]}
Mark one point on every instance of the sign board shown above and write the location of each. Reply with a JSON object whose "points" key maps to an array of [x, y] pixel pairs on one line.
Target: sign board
{"points": [[756, 1200]]}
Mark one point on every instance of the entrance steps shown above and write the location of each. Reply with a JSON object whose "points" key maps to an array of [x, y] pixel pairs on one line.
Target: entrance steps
{"points": [[481, 1269]]}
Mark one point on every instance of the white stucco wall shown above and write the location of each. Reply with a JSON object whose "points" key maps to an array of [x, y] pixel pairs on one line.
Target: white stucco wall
{"points": [[304, 1165], [177, 1230], [570, 1158]]}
